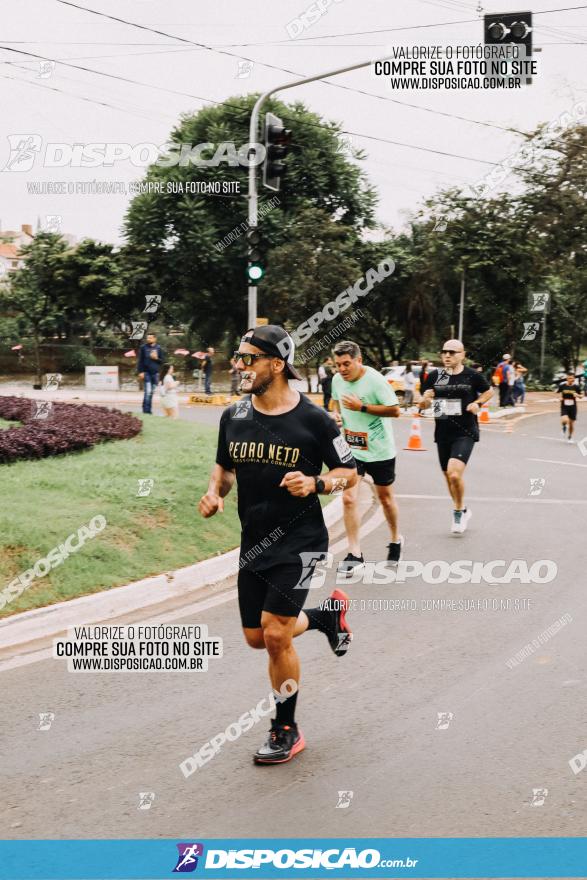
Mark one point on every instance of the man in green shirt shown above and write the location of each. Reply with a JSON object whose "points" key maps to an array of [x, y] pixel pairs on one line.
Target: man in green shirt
{"points": [[364, 402]]}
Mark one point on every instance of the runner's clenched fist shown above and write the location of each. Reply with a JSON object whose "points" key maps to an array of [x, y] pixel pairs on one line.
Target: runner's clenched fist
{"points": [[210, 504]]}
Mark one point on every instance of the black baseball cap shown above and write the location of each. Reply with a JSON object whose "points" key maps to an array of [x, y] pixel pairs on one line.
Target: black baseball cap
{"points": [[276, 341]]}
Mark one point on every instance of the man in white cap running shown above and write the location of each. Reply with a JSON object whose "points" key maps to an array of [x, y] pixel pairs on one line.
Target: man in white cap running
{"points": [[457, 394]]}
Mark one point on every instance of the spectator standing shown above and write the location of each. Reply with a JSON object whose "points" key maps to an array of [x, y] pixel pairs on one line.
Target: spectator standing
{"points": [[424, 372], [235, 378], [168, 392], [208, 366], [325, 374], [511, 381], [519, 390], [150, 361], [409, 385], [501, 378]]}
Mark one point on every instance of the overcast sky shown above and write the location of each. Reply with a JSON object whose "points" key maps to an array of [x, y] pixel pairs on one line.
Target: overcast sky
{"points": [[76, 106]]}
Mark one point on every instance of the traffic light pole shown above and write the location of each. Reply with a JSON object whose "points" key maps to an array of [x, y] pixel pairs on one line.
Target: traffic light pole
{"points": [[253, 133], [462, 307]]}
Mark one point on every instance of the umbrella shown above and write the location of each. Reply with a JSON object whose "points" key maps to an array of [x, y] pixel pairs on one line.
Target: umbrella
{"points": [[181, 351], [16, 348], [130, 354], [199, 354]]}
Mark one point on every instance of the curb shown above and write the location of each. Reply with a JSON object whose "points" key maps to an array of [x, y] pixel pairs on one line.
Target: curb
{"points": [[507, 411], [493, 414], [21, 630], [104, 398]]}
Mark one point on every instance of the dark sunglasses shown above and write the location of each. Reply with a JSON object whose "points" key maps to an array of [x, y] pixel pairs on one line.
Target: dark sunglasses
{"points": [[248, 359], [451, 351]]}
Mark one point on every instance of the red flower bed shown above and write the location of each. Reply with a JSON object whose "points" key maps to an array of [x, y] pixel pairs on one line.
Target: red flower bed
{"points": [[63, 427]]}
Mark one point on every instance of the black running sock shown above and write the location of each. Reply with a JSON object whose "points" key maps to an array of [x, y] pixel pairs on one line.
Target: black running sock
{"points": [[318, 618], [285, 711]]}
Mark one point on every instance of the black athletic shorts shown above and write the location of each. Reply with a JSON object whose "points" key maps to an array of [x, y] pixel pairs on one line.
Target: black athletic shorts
{"points": [[458, 447], [383, 472], [570, 411], [274, 590]]}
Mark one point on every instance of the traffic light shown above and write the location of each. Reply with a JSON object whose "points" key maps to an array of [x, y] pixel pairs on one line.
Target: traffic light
{"points": [[507, 28], [255, 269], [277, 143]]}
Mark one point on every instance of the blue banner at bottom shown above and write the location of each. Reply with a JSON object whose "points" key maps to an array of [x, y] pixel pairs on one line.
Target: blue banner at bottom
{"points": [[290, 858]]}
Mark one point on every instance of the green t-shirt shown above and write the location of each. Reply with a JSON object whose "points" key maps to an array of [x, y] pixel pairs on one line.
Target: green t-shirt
{"points": [[370, 437]]}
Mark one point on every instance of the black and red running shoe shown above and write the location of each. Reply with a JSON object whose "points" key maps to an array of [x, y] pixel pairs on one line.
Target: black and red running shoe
{"points": [[336, 627], [283, 743]]}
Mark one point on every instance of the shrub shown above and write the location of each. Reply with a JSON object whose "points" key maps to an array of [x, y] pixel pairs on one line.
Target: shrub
{"points": [[74, 360], [67, 427]]}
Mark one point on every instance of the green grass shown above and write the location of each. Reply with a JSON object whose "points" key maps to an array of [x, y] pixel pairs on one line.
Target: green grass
{"points": [[45, 501], [5, 424]]}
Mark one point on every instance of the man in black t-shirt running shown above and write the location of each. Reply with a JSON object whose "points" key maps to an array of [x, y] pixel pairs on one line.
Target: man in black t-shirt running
{"points": [[274, 442], [456, 394], [570, 392]]}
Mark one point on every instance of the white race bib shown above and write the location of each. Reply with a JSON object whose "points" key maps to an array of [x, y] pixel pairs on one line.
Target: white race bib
{"points": [[343, 449], [444, 407]]}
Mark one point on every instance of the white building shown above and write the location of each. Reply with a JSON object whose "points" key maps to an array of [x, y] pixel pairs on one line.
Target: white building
{"points": [[12, 242]]}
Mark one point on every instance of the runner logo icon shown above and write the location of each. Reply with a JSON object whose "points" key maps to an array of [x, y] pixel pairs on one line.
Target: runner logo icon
{"points": [[344, 640], [242, 410], [187, 859], [314, 565]]}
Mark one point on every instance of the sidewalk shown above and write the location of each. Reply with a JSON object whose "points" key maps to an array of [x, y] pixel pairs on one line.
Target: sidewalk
{"points": [[80, 394], [32, 631]]}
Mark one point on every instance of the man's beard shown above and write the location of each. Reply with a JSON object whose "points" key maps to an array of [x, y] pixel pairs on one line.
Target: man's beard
{"points": [[258, 389], [262, 387]]}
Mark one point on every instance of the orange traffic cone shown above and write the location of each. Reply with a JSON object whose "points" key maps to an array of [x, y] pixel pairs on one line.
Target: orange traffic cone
{"points": [[484, 417], [415, 438]]}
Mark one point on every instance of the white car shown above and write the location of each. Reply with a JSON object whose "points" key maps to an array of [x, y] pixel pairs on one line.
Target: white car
{"points": [[395, 377]]}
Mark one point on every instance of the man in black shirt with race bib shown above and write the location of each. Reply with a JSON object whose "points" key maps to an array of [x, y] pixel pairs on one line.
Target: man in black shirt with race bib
{"points": [[570, 392], [456, 393], [274, 441]]}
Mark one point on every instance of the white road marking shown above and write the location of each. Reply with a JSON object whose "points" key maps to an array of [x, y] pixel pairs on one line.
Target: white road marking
{"points": [[553, 461], [374, 521], [520, 500]]}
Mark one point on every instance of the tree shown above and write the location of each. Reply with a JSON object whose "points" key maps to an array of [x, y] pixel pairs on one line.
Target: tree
{"points": [[555, 203], [34, 293], [93, 290], [510, 246], [174, 236]]}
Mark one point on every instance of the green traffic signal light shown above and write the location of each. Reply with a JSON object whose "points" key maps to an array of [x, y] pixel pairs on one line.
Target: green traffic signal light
{"points": [[255, 272]]}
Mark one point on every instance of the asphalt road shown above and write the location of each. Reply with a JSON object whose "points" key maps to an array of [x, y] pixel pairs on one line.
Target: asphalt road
{"points": [[371, 718]]}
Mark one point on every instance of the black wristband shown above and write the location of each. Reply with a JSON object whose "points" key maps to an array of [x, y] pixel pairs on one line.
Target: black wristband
{"points": [[363, 408]]}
